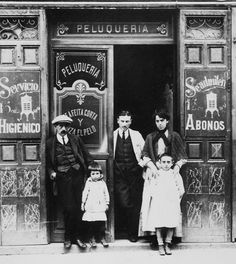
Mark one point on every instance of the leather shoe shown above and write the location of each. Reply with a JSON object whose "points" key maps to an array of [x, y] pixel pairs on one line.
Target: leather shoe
{"points": [[80, 244], [104, 243], [67, 244], [133, 239]]}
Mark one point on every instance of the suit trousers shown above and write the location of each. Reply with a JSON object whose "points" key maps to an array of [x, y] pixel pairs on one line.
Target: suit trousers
{"points": [[128, 195], [70, 186]]}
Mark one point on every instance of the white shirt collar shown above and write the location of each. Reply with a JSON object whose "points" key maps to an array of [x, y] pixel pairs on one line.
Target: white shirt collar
{"points": [[121, 132], [59, 138]]}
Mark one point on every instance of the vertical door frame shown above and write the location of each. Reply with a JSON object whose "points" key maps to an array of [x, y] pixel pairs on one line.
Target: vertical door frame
{"points": [[233, 76], [108, 156], [44, 112]]}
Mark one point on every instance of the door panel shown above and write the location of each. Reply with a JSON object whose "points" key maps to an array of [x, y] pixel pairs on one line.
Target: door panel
{"points": [[205, 102], [82, 89], [22, 128]]}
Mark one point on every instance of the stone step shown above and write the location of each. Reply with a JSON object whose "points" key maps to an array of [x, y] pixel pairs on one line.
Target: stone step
{"points": [[118, 245]]}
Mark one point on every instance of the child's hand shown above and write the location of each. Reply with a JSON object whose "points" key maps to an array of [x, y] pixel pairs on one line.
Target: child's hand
{"points": [[158, 165], [82, 206], [176, 169]]}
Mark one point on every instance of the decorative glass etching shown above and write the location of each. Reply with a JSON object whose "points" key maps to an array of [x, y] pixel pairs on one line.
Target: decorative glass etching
{"points": [[32, 217], [216, 150], [8, 215], [216, 214], [8, 183], [19, 28], [194, 214], [205, 28], [194, 176], [216, 180], [29, 183]]}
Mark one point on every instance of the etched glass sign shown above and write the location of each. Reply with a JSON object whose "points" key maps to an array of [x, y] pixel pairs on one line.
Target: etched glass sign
{"points": [[205, 103], [20, 104]]}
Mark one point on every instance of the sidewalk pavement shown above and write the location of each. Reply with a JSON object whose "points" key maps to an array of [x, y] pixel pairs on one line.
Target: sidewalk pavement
{"points": [[121, 252]]}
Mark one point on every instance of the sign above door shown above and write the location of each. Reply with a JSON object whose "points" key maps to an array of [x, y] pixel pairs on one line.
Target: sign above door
{"points": [[160, 28]]}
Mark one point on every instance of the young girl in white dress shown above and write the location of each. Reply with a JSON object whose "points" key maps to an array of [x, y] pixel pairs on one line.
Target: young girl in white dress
{"points": [[95, 203], [167, 190]]}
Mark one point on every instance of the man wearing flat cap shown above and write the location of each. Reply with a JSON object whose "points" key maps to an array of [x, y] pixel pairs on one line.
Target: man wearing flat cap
{"points": [[67, 162]]}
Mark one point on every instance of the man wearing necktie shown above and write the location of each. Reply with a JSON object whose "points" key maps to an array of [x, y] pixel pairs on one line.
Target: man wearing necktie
{"points": [[128, 145], [67, 162]]}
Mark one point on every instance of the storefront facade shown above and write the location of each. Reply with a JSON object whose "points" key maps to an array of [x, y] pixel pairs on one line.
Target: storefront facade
{"points": [[89, 60]]}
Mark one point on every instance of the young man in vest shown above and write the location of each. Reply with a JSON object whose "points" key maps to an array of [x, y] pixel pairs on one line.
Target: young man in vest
{"points": [[67, 162], [128, 145]]}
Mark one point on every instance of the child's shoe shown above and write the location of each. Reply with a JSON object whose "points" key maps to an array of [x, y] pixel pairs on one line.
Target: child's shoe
{"points": [[104, 243], [93, 243], [167, 249], [161, 250]]}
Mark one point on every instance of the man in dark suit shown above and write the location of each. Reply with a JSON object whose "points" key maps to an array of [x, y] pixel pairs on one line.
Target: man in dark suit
{"points": [[128, 146], [67, 162]]}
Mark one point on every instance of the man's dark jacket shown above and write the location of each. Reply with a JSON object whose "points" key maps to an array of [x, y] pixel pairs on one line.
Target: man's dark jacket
{"points": [[80, 152]]}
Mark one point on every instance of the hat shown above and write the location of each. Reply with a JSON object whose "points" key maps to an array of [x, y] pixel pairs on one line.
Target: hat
{"points": [[62, 119]]}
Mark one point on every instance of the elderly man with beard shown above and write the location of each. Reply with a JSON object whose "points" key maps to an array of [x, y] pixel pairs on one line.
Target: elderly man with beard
{"points": [[128, 145], [67, 163]]}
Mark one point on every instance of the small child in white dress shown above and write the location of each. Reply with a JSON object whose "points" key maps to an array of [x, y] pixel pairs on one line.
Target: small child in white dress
{"points": [[164, 210], [95, 203]]}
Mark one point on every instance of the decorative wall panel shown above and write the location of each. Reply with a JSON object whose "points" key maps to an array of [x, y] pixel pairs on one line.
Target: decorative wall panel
{"points": [[216, 180], [216, 55], [200, 27], [194, 150], [216, 150], [8, 183], [194, 55], [8, 153], [18, 28], [29, 183], [194, 180], [30, 152], [30, 55], [217, 212], [194, 214], [32, 217], [7, 56], [8, 217]]}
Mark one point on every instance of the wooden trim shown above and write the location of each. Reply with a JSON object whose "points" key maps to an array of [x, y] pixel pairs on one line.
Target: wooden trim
{"points": [[113, 4], [233, 72], [115, 41], [43, 62], [110, 113]]}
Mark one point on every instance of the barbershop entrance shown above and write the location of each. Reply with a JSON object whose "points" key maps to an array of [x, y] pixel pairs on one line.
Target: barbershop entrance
{"points": [[98, 69], [143, 80]]}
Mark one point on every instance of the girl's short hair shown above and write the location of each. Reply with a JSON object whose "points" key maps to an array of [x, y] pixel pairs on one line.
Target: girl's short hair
{"points": [[94, 167], [162, 113], [165, 155]]}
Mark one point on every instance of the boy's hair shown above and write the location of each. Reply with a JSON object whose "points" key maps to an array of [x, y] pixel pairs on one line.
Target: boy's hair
{"points": [[94, 167], [165, 155], [124, 113], [162, 113]]}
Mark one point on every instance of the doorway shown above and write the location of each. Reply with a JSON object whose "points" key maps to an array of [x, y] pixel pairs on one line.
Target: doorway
{"points": [[144, 78]]}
